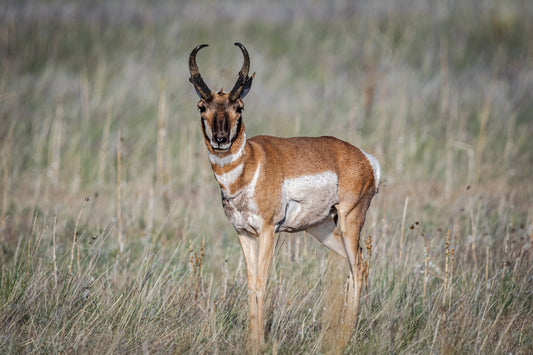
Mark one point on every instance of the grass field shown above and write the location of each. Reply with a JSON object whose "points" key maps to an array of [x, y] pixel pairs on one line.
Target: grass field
{"points": [[112, 234]]}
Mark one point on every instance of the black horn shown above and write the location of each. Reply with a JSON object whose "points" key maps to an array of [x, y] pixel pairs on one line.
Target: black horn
{"points": [[196, 79], [243, 81]]}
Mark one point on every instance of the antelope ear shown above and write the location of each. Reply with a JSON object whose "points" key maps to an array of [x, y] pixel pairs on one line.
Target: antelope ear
{"points": [[246, 87]]}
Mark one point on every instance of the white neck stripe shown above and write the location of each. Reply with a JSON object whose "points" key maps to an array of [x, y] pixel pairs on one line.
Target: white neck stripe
{"points": [[253, 183], [230, 177]]}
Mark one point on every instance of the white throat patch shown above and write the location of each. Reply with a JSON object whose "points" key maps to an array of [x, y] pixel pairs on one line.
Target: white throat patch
{"points": [[221, 161]]}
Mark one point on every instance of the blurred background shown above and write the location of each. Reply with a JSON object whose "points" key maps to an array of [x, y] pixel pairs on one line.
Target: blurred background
{"points": [[104, 173]]}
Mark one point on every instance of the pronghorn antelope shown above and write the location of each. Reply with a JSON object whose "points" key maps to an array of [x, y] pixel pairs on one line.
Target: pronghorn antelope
{"points": [[321, 185]]}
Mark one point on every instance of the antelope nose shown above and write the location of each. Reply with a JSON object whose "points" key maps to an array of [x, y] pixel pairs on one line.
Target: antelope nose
{"points": [[221, 140]]}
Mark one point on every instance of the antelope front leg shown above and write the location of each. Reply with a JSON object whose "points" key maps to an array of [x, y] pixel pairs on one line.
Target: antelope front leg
{"points": [[266, 249], [258, 253], [250, 249]]}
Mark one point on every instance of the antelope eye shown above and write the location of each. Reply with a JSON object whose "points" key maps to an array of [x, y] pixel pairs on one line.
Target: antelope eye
{"points": [[239, 109], [201, 109]]}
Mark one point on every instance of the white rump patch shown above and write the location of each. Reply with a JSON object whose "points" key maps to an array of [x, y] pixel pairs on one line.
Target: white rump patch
{"points": [[215, 159], [376, 169]]}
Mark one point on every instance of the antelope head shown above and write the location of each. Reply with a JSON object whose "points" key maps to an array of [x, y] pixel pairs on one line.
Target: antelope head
{"points": [[221, 112]]}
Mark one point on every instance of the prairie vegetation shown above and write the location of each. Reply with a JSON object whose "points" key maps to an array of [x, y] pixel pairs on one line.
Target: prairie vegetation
{"points": [[112, 235]]}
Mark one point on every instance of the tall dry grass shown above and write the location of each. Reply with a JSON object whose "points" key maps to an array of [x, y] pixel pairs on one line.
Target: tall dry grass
{"points": [[111, 231]]}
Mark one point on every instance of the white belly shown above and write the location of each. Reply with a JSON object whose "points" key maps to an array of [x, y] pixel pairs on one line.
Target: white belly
{"points": [[307, 200]]}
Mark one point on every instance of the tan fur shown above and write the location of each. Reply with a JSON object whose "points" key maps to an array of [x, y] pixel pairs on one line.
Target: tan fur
{"points": [[319, 184]]}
